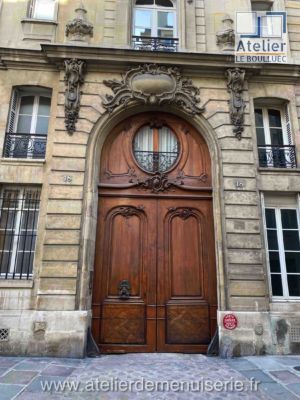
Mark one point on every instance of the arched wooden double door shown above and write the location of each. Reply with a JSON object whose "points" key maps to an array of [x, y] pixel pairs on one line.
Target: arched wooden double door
{"points": [[154, 286]]}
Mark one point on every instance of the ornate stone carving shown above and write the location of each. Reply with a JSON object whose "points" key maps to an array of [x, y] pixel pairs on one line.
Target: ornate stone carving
{"points": [[226, 37], [79, 29], [74, 72], [235, 85], [155, 85]]}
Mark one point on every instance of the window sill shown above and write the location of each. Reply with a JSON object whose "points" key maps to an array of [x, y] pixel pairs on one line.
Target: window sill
{"points": [[39, 21], [270, 170], [15, 284], [22, 161]]}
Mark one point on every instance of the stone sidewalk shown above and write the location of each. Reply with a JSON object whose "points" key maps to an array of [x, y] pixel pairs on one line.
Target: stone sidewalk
{"points": [[166, 376]]}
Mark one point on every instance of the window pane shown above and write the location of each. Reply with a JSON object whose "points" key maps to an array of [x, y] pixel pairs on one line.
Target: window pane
{"points": [[289, 219], [143, 18], [292, 261], [276, 285], [44, 9], [164, 3], [144, 2], [274, 261], [272, 239], [165, 19], [165, 33], [276, 136], [24, 124], [42, 125], [274, 118], [26, 105], [260, 134], [294, 285], [258, 118], [270, 218], [44, 106], [291, 240], [142, 32]]}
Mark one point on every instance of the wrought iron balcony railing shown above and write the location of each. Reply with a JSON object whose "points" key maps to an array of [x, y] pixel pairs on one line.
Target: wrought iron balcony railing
{"points": [[24, 145], [155, 43], [277, 156], [154, 161]]}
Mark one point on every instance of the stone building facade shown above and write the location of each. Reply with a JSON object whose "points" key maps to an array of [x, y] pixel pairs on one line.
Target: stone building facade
{"points": [[67, 81]]}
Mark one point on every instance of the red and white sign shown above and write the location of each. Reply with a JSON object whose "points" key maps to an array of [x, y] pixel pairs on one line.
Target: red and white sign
{"points": [[230, 321]]}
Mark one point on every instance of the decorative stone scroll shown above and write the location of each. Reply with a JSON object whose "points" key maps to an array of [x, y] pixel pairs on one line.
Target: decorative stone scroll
{"points": [[74, 73], [155, 85], [235, 85]]}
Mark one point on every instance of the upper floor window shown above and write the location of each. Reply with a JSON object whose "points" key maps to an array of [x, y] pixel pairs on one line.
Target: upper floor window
{"points": [[274, 138], [261, 5], [28, 123], [155, 25], [42, 9]]}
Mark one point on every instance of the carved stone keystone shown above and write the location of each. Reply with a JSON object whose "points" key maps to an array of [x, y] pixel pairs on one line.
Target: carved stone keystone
{"points": [[155, 85], [74, 73], [235, 85]]}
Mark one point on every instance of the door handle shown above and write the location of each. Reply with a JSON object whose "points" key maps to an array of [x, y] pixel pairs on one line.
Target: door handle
{"points": [[124, 290]]}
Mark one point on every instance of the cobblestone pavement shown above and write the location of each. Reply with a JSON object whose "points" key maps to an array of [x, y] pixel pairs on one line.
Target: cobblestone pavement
{"points": [[185, 375]]}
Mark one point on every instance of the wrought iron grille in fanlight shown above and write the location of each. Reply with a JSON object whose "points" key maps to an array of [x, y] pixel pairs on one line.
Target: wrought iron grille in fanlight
{"points": [[156, 161], [156, 148]]}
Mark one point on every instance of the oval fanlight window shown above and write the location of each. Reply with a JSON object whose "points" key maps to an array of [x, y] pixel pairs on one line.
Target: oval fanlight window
{"points": [[156, 149]]}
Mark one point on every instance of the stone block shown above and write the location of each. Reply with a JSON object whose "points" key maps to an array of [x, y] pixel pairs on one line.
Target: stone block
{"points": [[60, 253], [63, 221], [57, 286], [62, 236], [64, 207]]}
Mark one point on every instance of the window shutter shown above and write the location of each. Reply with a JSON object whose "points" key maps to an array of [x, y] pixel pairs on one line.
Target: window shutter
{"points": [[288, 125], [12, 111]]}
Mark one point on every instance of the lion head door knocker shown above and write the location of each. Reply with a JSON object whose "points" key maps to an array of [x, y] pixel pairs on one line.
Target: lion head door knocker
{"points": [[124, 290]]}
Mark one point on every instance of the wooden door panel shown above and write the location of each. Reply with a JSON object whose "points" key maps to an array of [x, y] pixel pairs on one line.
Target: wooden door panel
{"points": [[125, 250], [125, 244], [187, 324], [184, 256], [186, 273], [123, 324]]}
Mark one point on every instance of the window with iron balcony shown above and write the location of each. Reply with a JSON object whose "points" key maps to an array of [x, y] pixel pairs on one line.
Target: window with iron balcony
{"points": [[27, 129], [155, 25], [274, 137]]}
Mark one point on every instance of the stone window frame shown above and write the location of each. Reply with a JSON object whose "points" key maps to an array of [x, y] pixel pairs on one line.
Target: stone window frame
{"points": [[145, 7], [278, 203]]}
